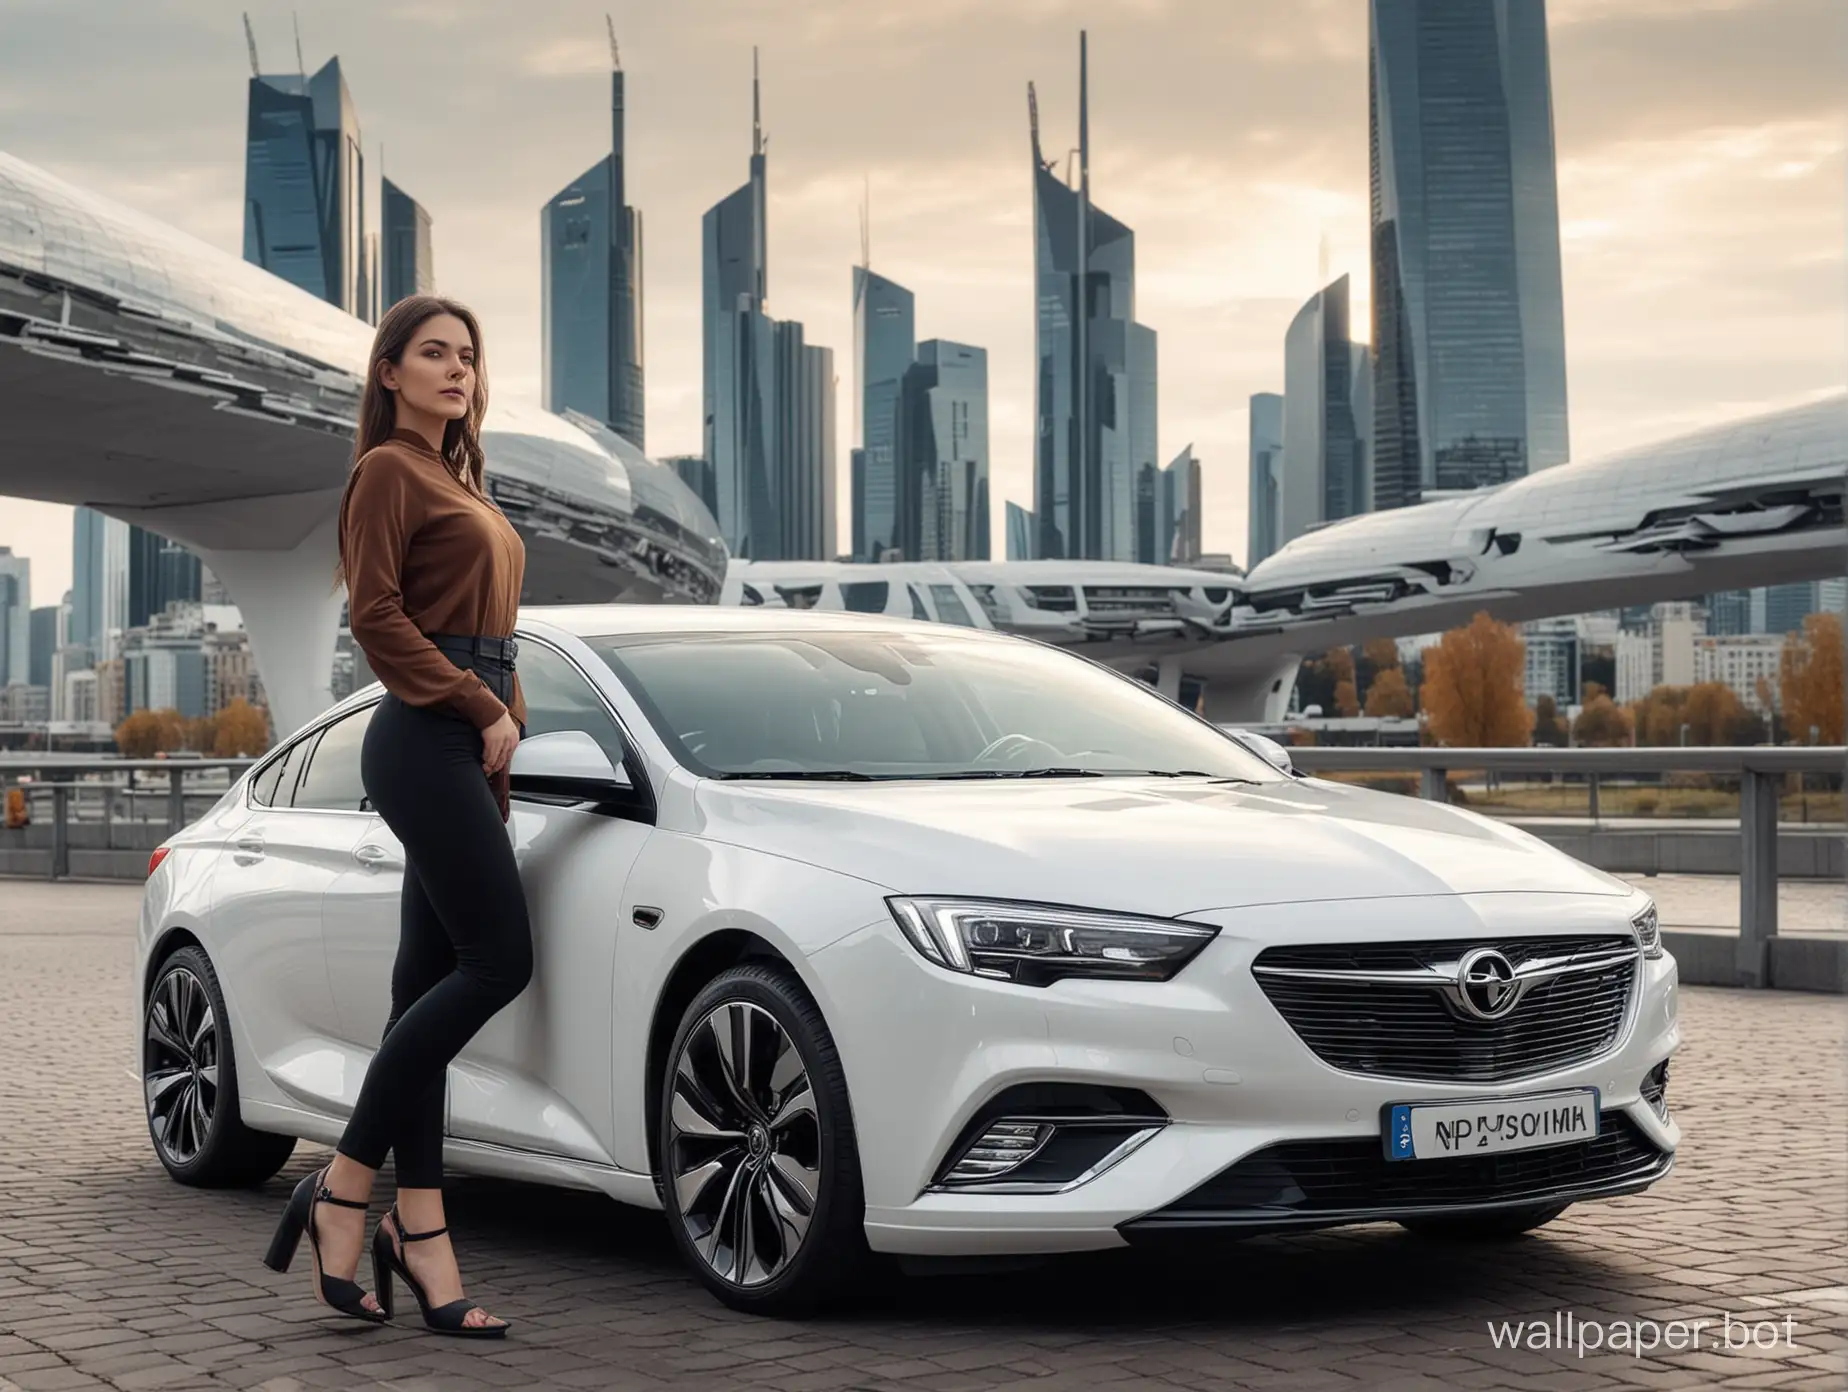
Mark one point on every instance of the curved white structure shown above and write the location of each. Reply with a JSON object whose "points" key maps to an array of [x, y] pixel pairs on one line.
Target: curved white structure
{"points": [[155, 378], [852, 931], [1751, 502]]}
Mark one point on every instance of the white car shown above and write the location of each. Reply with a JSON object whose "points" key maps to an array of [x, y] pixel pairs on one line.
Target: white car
{"points": [[855, 935]]}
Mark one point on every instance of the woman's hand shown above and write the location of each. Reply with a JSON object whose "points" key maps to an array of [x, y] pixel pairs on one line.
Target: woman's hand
{"points": [[497, 744]]}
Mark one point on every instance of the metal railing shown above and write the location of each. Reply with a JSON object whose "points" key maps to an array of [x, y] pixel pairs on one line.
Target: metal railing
{"points": [[113, 805], [1760, 769]]}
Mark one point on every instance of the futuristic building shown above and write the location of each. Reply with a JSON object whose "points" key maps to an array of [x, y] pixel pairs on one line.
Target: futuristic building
{"points": [[1264, 520], [1095, 377], [943, 454], [152, 378], [407, 263], [590, 294], [1750, 503], [769, 435], [1468, 317], [305, 185], [884, 347], [1174, 537], [1324, 476]]}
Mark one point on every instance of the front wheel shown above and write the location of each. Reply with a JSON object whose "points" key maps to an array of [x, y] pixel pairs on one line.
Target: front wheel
{"points": [[189, 1080], [760, 1170], [1498, 1226]]}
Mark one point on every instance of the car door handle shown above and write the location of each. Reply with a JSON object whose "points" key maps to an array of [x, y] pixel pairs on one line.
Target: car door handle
{"points": [[376, 857], [249, 848]]}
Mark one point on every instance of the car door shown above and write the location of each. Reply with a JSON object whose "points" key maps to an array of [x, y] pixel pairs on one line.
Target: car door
{"points": [[537, 1076], [266, 909]]}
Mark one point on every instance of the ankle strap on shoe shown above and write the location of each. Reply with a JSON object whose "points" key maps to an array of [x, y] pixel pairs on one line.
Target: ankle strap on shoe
{"points": [[404, 1236], [327, 1196]]}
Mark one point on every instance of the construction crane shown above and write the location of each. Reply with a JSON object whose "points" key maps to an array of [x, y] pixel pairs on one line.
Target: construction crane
{"points": [[250, 37]]}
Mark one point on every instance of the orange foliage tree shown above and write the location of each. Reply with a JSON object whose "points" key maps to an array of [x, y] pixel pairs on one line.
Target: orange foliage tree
{"points": [[149, 732], [1810, 680], [1602, 723], [242, 730], [1389, 695], [1473, 686]]}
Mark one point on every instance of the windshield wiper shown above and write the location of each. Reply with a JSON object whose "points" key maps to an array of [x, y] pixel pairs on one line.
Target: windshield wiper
{"points": [[805, 775]]}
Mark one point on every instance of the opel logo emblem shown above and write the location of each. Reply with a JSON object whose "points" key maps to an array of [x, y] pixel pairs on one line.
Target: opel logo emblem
{"points": [[1486, 984]]}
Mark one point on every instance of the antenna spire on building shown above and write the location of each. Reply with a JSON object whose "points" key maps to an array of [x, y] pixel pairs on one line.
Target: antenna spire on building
{"points": [[757, 125], [300, 65], [250, 38], [615, 52], [1033, 123]]}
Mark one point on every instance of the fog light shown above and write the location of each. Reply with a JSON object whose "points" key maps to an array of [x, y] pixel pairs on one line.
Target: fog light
{"points": [[1004, 1146]]}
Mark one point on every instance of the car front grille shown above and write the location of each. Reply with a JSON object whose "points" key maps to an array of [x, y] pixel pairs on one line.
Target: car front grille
{"points": [[1310, 1183], [1404, 1023]]}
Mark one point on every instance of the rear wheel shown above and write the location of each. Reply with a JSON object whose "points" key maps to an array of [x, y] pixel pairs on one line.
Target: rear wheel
{"points": [[1498, 1226], [760, 1170], [189, 1081]]}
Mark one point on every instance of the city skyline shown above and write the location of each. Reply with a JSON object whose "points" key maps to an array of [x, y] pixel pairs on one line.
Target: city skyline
{"points": [[1221, 274]]}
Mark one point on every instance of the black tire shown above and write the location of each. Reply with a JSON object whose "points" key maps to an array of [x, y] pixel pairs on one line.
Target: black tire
{"points": [[1501, 1225], [193, 1120], [778, 1277]]}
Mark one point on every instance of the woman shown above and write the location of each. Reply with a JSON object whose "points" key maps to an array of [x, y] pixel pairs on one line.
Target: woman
{"points": [[433, 573]]}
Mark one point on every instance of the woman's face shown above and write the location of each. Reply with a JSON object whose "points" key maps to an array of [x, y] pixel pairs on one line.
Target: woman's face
{"points": [[437, 373]]}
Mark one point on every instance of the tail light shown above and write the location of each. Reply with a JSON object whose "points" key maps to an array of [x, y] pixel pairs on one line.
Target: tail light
{"points": [[160, 854]]}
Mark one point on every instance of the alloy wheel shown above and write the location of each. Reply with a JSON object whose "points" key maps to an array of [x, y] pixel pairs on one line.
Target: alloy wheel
{"points": [[180, 1065], [744, 1143]]}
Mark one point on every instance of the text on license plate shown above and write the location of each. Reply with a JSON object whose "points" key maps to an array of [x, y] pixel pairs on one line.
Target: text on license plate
{"points": [[1429, 1131]]}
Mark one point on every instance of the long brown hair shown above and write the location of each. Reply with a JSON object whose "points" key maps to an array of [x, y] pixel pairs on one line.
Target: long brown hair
{"points": [[378, 407]]}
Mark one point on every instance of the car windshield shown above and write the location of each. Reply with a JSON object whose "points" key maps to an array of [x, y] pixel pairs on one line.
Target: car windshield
{"points": [[850, 705]]}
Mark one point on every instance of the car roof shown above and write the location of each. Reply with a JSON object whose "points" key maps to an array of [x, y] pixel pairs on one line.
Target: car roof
{"points": [[606, 620]]}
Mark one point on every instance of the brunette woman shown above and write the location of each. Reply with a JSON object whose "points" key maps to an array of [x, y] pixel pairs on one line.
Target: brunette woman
{"points": [[433, 574]]}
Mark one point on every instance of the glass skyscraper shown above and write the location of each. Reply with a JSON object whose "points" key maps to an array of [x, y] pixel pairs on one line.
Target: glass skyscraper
{"points": [[1324, 474], [160, 572], [1022, 533], [15, 617], [884, 347], [768, 394], [591, 291], [1469, 384], [943, 454], [1263, 520], [408, 266], [304, 185], [1095, 378], [100, 550]]}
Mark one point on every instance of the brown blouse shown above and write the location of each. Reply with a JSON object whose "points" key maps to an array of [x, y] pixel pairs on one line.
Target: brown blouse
{"points": [[426, 554]]}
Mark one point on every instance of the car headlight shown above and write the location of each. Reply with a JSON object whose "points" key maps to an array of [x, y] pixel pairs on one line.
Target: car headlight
{"points": [[1648, 932], [1037, 944]]}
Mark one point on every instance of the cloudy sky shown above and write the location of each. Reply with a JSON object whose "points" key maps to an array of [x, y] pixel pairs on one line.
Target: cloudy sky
{"points": [[1700, 145]]}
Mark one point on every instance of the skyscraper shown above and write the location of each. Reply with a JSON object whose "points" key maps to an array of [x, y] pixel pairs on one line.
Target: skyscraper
{"points": [[884, 347], [1178, 517], [768, 394], [15, 617], [1264, 518], [943, 454], [1324, 451], [99, 580], [1095, 378], [42, 648], [408, 267], [1469, 384], [160, 572], [304, 184], [590, 298], [1022, 533]]}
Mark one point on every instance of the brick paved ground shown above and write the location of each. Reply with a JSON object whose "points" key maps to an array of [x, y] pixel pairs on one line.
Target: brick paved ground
{"points": [[112, 1275]]}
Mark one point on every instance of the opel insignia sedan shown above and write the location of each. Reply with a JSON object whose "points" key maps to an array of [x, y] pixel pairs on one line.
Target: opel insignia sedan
{"points": [[855, 935]]}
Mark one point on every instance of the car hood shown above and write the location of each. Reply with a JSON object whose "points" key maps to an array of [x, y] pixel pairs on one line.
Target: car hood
{"points": [[1158, 846]]}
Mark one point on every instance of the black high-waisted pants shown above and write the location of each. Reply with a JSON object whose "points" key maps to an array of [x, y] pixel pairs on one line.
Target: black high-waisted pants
{"points": [[465, 947]]}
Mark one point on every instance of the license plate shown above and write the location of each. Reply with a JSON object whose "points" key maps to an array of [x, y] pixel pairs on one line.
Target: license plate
{"points": [[1438, 1130]]}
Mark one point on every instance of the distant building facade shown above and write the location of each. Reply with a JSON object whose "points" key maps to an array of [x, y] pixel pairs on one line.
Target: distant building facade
{"points": [[943, 455], [1324, 473], [1469, 385], [884, 349], [1264, 519], [407, 261], [1022, 533]]}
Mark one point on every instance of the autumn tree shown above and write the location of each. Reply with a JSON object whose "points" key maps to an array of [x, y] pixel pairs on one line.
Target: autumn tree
{"points": [[1810, 680], [200, 734], [1473, 688], [146, 733], [1389, 697], [1602, 723], [242, 731]]}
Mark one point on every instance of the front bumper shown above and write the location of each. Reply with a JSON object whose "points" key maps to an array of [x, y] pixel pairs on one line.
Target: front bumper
{"points": [[1234, 1079]]}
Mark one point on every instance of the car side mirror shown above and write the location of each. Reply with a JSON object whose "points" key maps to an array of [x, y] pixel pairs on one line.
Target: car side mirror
{"points": [[1267, 749], [566, 763]]}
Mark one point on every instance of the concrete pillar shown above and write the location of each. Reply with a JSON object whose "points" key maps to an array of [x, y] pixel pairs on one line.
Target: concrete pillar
{"points": [[291, 610], [1251, 698]]}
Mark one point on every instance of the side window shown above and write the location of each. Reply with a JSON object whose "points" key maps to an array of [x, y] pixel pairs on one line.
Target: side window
{"points": [[263, 786], [331, 781], [558, 697], [276, 784]]}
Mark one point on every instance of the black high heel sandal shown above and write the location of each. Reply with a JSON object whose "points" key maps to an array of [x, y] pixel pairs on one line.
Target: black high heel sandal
{"points": [[387, 1258], [335, 1292]]}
